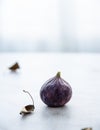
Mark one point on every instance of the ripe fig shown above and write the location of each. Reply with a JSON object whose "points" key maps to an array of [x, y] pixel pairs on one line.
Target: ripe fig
{"points": [[56, 92]]}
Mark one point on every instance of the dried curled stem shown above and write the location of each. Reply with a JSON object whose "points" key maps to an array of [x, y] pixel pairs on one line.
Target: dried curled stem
{"points": [[29, 95]]}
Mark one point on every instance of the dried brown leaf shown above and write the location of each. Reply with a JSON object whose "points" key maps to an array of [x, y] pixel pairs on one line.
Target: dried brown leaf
{"points": [[14, 67], [87, 128], [27, 109]]}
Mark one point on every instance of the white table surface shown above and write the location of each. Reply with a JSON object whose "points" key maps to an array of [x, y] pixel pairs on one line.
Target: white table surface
{"points": [[82, 71]]}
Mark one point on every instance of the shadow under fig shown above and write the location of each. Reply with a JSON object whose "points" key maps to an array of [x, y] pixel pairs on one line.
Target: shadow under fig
{"points": [[56, 112]]}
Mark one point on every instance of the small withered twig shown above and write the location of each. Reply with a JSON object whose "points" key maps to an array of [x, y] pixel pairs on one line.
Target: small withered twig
{"points": [[29, 95]]}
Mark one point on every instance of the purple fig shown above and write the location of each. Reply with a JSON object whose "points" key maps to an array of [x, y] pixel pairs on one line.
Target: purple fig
{"points": [[56, 92]]}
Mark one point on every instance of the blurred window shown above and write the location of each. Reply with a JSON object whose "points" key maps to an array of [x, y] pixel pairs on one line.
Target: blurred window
{"points": [[50, 25]]}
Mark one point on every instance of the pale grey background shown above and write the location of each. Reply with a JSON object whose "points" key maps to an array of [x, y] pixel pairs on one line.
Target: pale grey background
{"points": [[50, 25]]}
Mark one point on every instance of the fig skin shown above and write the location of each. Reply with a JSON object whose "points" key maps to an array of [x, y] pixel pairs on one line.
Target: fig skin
{"points": [[56, 92]]}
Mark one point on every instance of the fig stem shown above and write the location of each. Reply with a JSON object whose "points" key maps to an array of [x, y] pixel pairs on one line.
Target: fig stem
{"points": [[29, 95], [58, 74]]}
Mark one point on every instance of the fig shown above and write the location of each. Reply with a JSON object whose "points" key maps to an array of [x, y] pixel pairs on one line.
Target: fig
{"points": [[56, 92]]}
